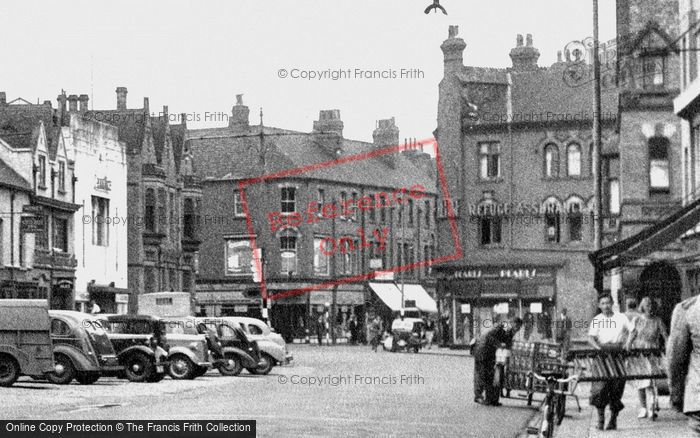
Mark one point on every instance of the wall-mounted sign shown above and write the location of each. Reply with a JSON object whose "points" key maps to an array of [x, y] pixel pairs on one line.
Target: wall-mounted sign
{"points": [[518, 273], [469, 273], [32, 224], [240, 309], [375, 263], [465, 308], [121, 298], [535, 307], [33, 209], [103, 184], [501, 308]]}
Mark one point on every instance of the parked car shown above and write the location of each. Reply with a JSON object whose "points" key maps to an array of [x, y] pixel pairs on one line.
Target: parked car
{"points": [[25, 340], [237, 351], [81, 348], [189, 355], [140, 343], [272, 346], [406, 334]]}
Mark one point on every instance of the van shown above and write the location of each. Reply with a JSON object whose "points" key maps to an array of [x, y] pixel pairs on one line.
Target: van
{"points": [[25, 340]]}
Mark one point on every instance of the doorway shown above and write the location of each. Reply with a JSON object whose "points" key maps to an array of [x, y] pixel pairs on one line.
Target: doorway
{"points": [[661, 282]]}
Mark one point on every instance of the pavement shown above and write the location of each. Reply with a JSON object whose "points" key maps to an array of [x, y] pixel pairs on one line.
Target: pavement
{"points": [[584, 424]]}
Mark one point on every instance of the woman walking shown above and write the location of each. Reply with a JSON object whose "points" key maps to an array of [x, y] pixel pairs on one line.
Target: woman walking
{"points": [[647, 330]]}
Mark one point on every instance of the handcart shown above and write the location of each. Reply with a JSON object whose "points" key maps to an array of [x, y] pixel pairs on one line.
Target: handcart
{"points": [[595, 365], [514, 371]]}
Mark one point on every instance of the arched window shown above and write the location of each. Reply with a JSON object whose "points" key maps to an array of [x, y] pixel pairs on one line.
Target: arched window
{"points": [[552, 220], [489, 223], [658, 165], [150, 210], [551, 161], [288, 251], [573, 159], [574, 218]]}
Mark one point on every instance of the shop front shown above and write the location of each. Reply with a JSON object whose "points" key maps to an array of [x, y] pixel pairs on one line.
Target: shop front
{"points": [[479, 298]]}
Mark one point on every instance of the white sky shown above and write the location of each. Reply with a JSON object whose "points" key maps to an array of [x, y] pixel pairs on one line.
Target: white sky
{"points": [[195, 56]]}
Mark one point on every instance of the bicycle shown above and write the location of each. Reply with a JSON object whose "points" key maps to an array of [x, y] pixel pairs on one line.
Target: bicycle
{"points": [[554, 404]]}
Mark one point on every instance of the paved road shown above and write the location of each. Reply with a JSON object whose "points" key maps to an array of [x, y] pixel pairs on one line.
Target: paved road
{"points": [[329, 391]]}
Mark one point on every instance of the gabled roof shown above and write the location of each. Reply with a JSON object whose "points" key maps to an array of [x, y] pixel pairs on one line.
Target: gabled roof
{"points": [[19, 125]]}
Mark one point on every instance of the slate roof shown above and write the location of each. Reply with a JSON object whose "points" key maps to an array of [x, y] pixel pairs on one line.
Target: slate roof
{"points": [[9, 177], [19, 126], [222, 154]]}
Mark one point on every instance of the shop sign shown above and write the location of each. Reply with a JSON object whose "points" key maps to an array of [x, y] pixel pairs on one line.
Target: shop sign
{"points": [[469, 273], [375, 263], [535, 307], [30, 225], [240, 309], [466, 308], [518, 273], [384, 275], [82, 296], [121, 298], [501, 308]]}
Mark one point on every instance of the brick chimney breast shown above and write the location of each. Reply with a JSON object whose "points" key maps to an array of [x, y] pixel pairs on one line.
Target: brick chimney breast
{"points": [[329, 121], [73, 103], [524, 57], [3, 98], [240, 113], [83, 99], [121, 98]]}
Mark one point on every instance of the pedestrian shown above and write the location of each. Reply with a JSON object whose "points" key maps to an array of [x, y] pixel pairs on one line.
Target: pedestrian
{"points": [[647, 332], [320, 328], [563, 336], [429, 332], [545, 328], [353, 325], [375, 332], [485, 360], [529, 324], [683, 356], [631, 311], [94, 308], [608, 331]]}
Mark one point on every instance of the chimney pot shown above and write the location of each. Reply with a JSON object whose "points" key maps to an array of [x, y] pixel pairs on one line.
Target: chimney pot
{"points": [[121, 98], [239, 99], [559, 56], [165, 112], [145, 104], [240, 115], [529, 40], [519, 40], [3, 98], [329, 121]]}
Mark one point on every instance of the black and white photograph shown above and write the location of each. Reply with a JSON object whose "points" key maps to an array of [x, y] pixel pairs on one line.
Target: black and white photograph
{"points": [[350, 218]]}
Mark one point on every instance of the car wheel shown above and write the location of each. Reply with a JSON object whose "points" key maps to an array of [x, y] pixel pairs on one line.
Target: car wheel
{"points": [[181, 367], [9, 370], [64, 372], [139, 368], [87, 378], [266, 365], [231, 365]]}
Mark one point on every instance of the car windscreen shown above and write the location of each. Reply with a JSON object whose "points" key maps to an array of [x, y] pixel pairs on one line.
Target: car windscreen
{"points": [[180, 328]]}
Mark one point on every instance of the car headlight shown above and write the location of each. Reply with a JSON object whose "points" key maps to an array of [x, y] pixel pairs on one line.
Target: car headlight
{"points": [[194, 346]]}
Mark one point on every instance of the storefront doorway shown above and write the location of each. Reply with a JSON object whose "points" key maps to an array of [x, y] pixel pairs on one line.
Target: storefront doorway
{"points": [[661, 282]]}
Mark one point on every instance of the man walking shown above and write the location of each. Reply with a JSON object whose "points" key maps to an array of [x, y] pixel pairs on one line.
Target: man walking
{"points": [[563, 327], [320, 328], [485, 360], [683, 355], [608, 331]]}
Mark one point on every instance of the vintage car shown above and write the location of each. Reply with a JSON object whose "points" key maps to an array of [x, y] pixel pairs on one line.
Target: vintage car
{"points": [[140, 343], [81, 348], [406, 334], [25, 340], [237, 351], [189, 355], [272, 346]]}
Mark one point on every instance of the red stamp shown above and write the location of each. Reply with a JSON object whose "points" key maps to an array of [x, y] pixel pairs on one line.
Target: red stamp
{"points": [[314, 212]]}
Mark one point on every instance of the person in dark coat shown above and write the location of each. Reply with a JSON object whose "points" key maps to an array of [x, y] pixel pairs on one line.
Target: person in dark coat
{"points": [[485, 360], [353, 326]]}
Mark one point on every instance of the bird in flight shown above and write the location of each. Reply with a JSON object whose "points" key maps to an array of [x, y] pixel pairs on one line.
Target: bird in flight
{"points": [[435, 6]]}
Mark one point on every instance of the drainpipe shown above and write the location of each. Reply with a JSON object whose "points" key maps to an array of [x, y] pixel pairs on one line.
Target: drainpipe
{"points": [[12, 244]]}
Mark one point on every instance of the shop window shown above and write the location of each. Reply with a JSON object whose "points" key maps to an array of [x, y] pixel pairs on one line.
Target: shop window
{"points": [[41, 239], [150, 210], [551, 161], [658, 165], [321, 258], [489, 160], [239, 256], [60, 234], [573, 160], [288, 195], [288, 252], [100, 213]]}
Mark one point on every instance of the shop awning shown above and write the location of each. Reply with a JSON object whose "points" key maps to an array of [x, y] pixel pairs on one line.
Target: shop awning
{"points": [[423, 300], [389, 293], [649, 240]]}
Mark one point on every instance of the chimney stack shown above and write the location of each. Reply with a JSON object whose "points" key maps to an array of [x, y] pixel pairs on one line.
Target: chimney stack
{"points": [[524, 57], [329, 121], [121, 98], [452, 49], [145, 104], [385, 136], [83, 99], [72, 103], [3, 98], [183, 119], [239, 115]]}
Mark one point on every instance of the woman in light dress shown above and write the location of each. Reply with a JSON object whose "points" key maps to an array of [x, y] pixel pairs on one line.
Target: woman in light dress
{"points": [[647, 331]]}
